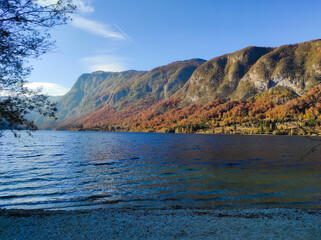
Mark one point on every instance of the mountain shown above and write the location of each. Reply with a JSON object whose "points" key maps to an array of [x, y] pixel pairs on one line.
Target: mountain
{"points": [[277, 111], [253, 70], [94, 91], [296, 66], [220, 76], [157, 84], [90, 92], [142, 101]]}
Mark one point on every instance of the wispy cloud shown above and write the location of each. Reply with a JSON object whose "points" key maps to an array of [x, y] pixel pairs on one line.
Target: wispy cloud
{"points": [[101, 29], [107, 63], [51, 89]]}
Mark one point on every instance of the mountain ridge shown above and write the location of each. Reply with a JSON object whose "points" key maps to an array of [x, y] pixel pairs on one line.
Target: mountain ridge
{"points": [[234, 76]]}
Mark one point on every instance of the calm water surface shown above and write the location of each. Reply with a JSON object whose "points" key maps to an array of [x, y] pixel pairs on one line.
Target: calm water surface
{"points": [[68, 170]]}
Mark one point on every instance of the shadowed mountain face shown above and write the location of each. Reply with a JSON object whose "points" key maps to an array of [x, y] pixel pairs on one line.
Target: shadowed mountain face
{"points": [[94, 91], [234, 76], [90, 92], [158, 84]]}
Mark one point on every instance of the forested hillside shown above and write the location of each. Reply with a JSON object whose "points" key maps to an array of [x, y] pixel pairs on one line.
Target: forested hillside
{"points": [[254, 90]]}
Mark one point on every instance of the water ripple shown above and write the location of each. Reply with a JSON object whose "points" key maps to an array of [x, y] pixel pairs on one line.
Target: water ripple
{"points": [[72, 170]]}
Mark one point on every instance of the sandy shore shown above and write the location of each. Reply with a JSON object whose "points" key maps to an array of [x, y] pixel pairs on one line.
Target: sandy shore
{"points": [[161, 224]]}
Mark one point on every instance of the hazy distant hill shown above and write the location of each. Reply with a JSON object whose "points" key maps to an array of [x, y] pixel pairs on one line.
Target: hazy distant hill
{"points": [[104, 98]]}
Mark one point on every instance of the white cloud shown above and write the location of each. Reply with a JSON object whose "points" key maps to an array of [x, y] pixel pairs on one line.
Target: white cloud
{"points": [[107, 63], [51, 89], [103, 30]]}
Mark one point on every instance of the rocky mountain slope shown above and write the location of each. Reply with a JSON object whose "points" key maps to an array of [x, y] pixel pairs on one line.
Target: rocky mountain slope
{"points": [[94, 91], [100, 96], [220, 76], [157, 84], [90, 92], [295, 66], [253, 70]]}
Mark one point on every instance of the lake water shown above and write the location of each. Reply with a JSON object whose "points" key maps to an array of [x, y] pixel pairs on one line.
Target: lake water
{"points": [[73, 170]]}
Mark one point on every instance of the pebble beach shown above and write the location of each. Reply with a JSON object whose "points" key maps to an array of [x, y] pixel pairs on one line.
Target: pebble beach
{"points": [[276, 223]]}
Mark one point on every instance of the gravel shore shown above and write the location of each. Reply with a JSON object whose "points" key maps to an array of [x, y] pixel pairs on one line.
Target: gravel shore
{"points": [[161, 224]]}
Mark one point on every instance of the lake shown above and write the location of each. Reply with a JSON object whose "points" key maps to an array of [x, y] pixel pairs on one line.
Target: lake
{"points": [[75, 170]]}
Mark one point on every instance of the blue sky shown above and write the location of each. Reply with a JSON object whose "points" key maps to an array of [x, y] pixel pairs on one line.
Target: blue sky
{"points": [[142, 34]]}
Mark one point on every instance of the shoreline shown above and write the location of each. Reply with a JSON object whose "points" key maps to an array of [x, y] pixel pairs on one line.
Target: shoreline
{"points": [[132, 223], [197, 133]]}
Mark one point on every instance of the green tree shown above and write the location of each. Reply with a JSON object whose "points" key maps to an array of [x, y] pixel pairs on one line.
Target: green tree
{"points": [[24, 34]]}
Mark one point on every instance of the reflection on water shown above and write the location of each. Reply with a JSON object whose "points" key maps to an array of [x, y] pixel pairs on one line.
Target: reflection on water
{"points": [[92, 169]]}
